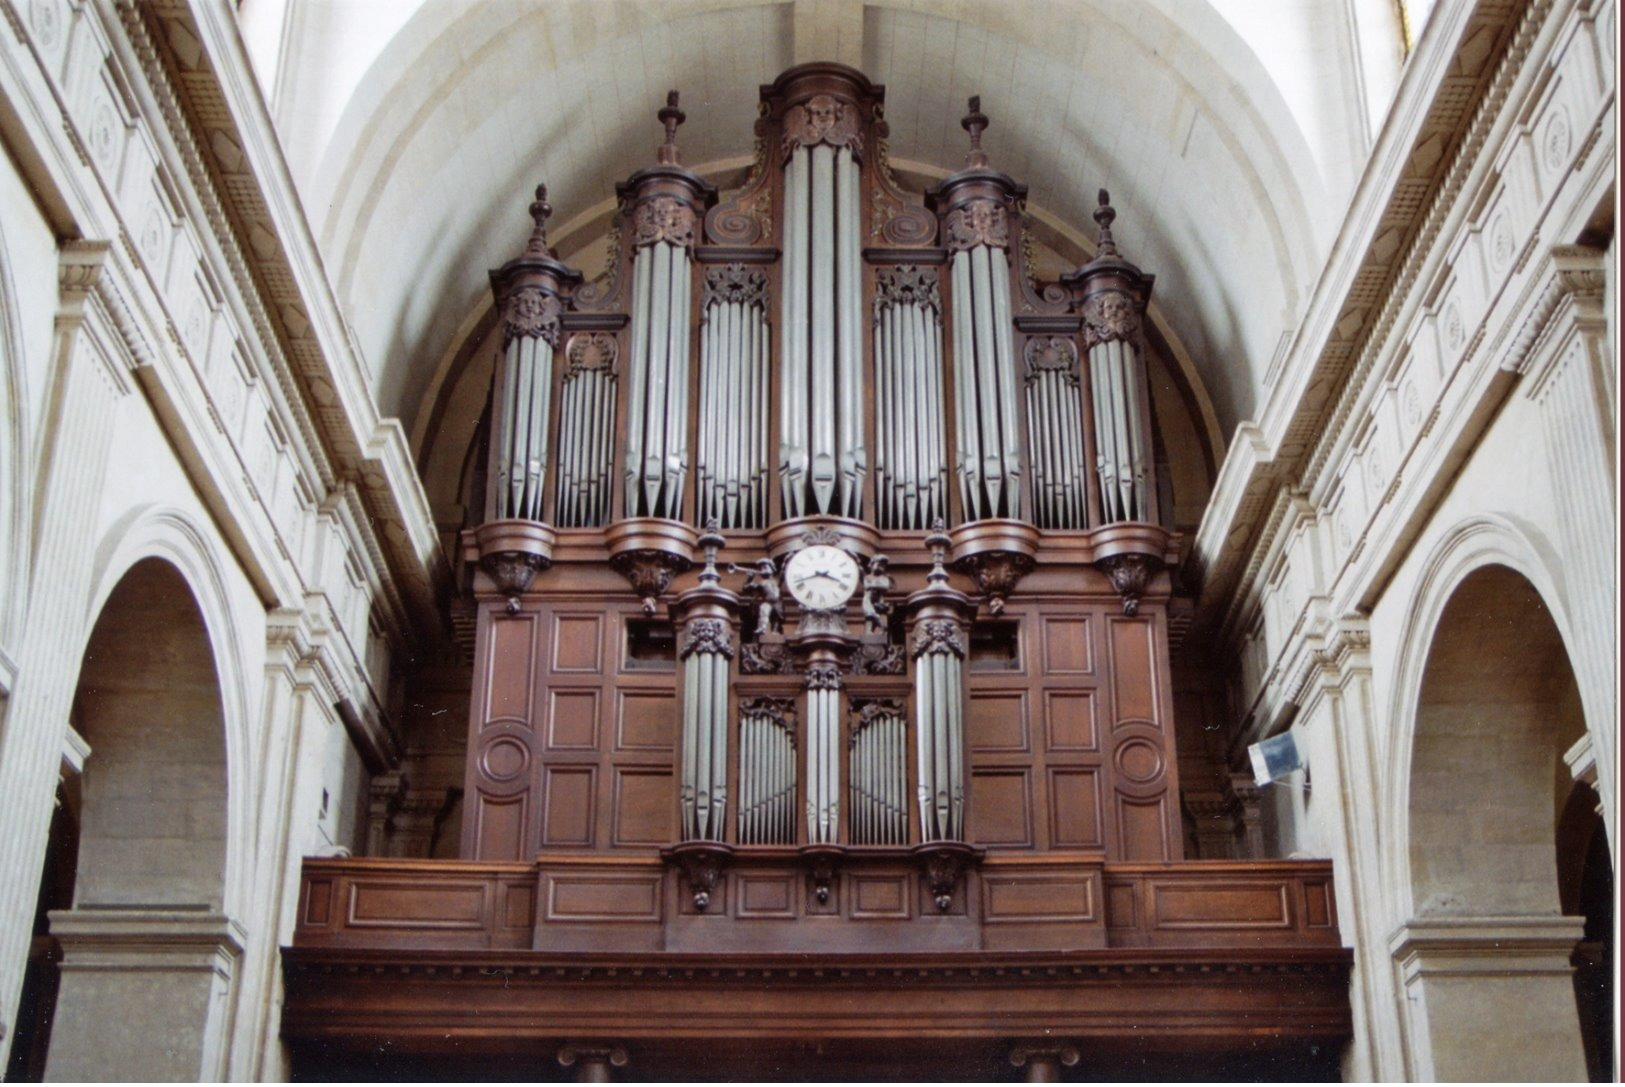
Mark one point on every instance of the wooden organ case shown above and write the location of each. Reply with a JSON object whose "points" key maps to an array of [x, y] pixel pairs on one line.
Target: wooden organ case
{"points": [[822, 633]]}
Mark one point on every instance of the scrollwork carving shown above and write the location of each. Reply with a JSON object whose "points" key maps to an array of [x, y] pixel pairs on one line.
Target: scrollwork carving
{"points": [[979, 222], [591, 351], [822, 118], [707, 636], [650, 573], [997, 573], [867, 712], [780, 711], [764, 659], [512, 572], [531, 311], [1108, 316], [1051, 354], [939, 636]]}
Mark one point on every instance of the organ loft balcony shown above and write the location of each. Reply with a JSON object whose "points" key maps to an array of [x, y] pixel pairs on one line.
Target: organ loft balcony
{"points": [[823, 576]]}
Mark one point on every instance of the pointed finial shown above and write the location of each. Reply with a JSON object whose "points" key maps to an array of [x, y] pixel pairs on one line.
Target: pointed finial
{"points": [[670, 117], [975, 122], [938, 542], [540, 209], [711, 542], [1104, 216]]}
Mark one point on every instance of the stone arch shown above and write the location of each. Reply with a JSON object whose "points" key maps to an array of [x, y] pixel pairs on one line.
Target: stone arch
{"points": [[13, 455], [1489, 704], [150, 945]]}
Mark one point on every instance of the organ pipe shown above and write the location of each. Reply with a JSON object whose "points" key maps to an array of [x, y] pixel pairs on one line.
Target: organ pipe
{"points": [[823, 454], [767, 772], [731, 463], [703, 798], [910, 466], [878, 775], [1055, 426], [823, 716], [657, 404]]}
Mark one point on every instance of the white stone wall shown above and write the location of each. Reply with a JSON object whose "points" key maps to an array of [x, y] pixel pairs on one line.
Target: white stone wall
{"points": [[1477, 426], [151, 409]]}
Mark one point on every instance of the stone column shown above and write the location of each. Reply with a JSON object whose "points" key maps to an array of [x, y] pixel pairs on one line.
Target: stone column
{"points": [[144, 995], [1491, 998], [86, 388]]}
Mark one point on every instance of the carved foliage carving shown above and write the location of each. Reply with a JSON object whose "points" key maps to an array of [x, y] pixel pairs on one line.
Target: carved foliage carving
{"points": [[939, 636], [997, 573], [822, 118], [908, 285], [531, 311], [824, 676], [650, 573], [1129, 576], [869, 711], [979, 222], [512, 571], [1051, 354], [707, 636], [663, 219], [1108, 316], [780, 711], [764, 659], [734, 283]]}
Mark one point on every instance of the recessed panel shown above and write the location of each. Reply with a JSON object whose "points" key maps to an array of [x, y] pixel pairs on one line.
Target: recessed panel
{"points": [[1069, 721], [997, 721], [1074, 800], [1142, 831], [578, 642], [1211, 905], [1133, 679], [646, 721], [1067, 646], [500, 828], [644, 803], [765, 896], [875, 897], [567, 806], [417, 905], [510, 668], [1010, 897], [572, 721], [1001, 811], [571, 897]]}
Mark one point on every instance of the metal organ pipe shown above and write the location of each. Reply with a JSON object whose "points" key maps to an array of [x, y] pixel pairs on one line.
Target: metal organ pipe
{"points": [[657, 404], [703, 795], [823, 457], [911, 472], [732, 459], [1055, 429]]}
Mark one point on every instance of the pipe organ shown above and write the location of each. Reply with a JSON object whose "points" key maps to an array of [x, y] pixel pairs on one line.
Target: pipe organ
{"points": [[822, 623]]}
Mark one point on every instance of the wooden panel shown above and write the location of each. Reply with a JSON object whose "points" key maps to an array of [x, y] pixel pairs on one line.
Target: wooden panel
{"points": [[505, 758], [439, 905], [1024, 897], [1134, 679], [510, 668], [318, 902], [880, 897], [1141, 830], [997, 721], [572, 897], [572, 720], [1317, 905], [500, 827], [645, 721], [567, 811], [1220, 906], [1122, 906], [1069, 721], [765, 896], [1067, 647], [519, 905], [1074, 802], [1001, 808], [578, 643], [644, 803]]}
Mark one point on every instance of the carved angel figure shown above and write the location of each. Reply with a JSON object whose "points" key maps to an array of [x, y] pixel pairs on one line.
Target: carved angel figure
{"points": [[763, 582], [876, 584]]}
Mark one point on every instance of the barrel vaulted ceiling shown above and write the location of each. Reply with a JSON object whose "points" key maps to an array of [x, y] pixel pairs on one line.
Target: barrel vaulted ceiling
{"points": [[1230, 133]]}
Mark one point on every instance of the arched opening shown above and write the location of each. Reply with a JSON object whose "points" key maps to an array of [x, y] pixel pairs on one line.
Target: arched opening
{"points": [[1486, 957], [146, 952]]}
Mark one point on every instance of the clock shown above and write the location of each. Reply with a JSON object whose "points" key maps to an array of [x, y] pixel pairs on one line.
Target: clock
{"points": [[821, 577]]}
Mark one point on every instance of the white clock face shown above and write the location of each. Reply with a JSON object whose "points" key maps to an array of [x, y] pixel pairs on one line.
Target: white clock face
{"points": [[821, 577]]}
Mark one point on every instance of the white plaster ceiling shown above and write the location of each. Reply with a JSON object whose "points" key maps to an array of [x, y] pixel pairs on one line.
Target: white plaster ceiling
{"points": [[1229, 139]]}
